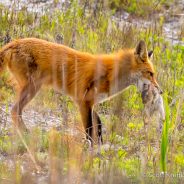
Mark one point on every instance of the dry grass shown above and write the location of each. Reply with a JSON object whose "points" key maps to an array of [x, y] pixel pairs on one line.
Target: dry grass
{"points": [[131, 152]]}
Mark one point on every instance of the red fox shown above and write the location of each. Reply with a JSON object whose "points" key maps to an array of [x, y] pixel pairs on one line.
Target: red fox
{"points": [[85, 77]]}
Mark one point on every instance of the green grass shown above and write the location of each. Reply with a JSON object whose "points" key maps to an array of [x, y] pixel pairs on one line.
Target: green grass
{"points": [[144, 8], [134, 155], [165, 137]]}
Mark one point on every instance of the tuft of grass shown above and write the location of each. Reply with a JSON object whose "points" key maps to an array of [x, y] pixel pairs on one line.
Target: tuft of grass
{"points": [[165, 136], [127, 153]]}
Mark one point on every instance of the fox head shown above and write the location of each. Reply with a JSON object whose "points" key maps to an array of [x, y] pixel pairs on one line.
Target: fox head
{"points": [[142, 68]]}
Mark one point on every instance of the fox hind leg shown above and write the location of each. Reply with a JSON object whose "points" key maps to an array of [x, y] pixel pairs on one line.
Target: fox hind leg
{"points": [[26, 94]]}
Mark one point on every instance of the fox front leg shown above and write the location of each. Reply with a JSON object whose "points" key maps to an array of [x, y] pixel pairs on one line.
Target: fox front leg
{"points": [[86, 116]]}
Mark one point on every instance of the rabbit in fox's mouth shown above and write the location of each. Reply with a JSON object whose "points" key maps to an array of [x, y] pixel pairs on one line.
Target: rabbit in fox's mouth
{"points": [[153, 101]]}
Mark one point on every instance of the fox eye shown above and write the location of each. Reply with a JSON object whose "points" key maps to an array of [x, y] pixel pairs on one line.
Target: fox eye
{"points": [[151, 74]]}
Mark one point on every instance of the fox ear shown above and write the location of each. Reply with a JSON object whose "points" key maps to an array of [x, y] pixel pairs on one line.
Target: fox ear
{"points": [[141, 50], [150, 54]]}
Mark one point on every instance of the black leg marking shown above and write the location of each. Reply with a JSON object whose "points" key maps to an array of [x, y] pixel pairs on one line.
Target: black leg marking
{"points": [[89, 125], [99, 126]]}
